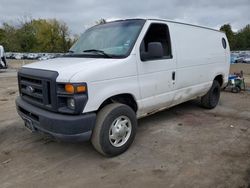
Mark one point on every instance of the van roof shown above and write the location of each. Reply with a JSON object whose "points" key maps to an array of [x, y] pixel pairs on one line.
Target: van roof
{"points": [[171, 21]]}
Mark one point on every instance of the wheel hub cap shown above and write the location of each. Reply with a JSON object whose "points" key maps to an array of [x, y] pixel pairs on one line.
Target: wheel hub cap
{"points": [[120, 131]]}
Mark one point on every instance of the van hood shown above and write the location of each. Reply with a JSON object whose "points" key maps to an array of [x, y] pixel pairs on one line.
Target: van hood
{"points": [[68, 67]]}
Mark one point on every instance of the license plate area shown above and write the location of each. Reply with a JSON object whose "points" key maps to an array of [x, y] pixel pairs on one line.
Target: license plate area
{"points": [[29, 124]]}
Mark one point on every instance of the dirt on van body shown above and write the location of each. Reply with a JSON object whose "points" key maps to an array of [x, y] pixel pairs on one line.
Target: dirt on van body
{"points": [[184, 146]]}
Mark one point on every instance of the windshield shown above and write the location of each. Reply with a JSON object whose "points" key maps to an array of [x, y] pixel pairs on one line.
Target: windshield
{"points": [[114, 39]]}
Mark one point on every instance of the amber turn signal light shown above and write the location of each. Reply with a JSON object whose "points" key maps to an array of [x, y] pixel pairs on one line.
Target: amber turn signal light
{"points": [[80, 89], [69, 88]]}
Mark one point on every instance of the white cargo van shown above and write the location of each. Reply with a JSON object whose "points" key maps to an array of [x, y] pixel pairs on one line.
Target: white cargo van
{"points": [[118, 72]]}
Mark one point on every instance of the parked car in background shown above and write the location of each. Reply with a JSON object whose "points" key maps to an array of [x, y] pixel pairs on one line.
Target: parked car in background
{"points": [[46, 56], [18, 56], [241, 58], [234, 58], [34, 56], [246, 59]]}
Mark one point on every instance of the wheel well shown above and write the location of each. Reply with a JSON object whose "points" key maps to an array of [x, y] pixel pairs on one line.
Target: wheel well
{"points": [[127, 99], [219, 78]]}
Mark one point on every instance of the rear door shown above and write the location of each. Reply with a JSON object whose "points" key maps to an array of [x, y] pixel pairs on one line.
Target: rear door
{"points": [[156, 75]]}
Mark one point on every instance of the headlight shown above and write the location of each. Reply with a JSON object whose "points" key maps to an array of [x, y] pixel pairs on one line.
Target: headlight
{"points": [[71, 103], [72, 97]]}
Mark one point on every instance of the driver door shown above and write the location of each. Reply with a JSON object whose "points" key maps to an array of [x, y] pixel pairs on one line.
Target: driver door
{"points": [[156, 74]]}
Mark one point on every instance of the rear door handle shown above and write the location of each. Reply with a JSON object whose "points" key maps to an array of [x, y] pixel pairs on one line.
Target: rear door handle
{"points": [[173, 75]]}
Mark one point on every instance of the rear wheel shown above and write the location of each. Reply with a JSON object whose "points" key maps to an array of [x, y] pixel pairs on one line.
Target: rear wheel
{"points": [[115, 129], [211, 99]]}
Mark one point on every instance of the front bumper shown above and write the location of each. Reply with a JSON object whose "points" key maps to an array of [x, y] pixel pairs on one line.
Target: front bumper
{"points": [[69, 128]]}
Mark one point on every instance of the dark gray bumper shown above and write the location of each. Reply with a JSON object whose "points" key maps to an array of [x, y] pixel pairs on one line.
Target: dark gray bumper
{"points": [[71, 128]]}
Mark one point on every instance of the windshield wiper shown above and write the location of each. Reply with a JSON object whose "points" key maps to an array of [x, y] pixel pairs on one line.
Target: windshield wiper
{"points": [[98, 52]]}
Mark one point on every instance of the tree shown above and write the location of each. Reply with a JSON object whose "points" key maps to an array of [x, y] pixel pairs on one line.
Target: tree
{"points": [[26, 37], [101, 21], [9, 38], [243, 38], [36, 36], [230, 34]]}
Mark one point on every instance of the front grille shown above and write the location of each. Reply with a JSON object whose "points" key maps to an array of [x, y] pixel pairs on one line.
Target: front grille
{"points": [[36, 90], [38, 87]]}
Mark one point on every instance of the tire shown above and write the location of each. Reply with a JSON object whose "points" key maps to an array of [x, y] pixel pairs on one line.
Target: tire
{"points": [[236, 89], [211, 99], [108, 130]]}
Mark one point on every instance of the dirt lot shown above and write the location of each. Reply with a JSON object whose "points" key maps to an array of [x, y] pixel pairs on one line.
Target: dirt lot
{"points": [[185, 146]]}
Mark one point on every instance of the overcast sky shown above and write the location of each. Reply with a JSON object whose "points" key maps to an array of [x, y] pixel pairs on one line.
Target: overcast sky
{"points": [[80, 14]]}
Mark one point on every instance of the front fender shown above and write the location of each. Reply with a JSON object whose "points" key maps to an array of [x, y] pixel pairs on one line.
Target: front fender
{"points": [[102, 90]]}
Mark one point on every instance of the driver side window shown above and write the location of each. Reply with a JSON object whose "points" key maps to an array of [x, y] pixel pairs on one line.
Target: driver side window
{"points": [[156, 43]]}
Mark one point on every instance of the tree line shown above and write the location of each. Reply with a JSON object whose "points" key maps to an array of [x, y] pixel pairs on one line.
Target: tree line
{"points": [[51, 35], [36, 35], [239, 40]]}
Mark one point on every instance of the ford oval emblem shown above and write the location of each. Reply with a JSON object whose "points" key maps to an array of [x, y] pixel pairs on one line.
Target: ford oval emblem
{"points": [[30, 89]]}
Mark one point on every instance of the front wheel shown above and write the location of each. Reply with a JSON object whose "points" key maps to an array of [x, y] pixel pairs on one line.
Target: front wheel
{"points": [[115, 129], [211, 99]]}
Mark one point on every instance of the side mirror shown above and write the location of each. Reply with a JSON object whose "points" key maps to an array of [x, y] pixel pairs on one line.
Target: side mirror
{"points": [[155, 51]]}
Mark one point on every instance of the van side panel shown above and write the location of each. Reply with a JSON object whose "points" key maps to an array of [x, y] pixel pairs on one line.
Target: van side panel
{"points": [[200, 58]]}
